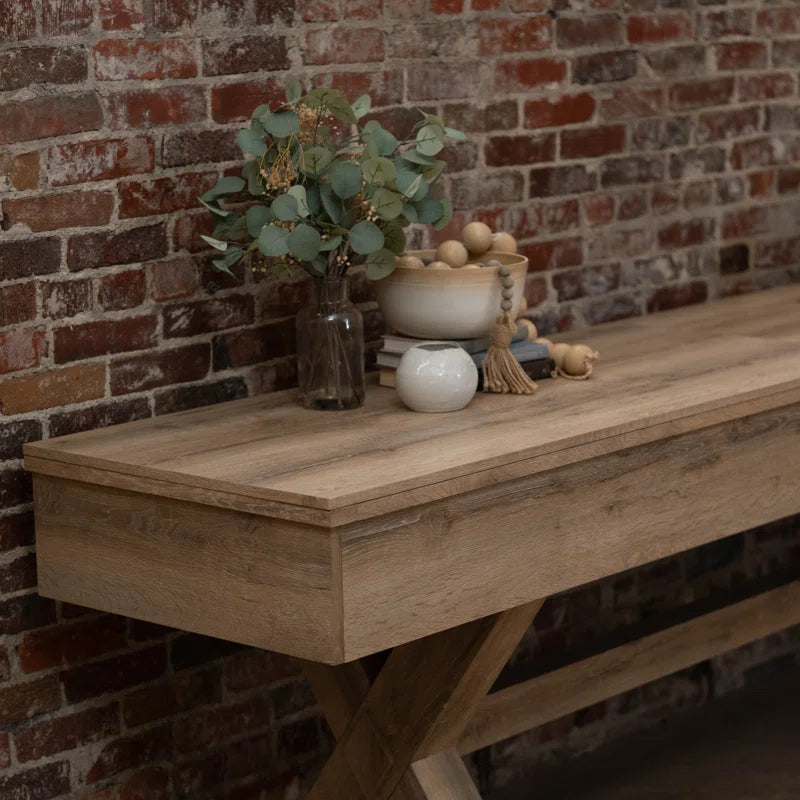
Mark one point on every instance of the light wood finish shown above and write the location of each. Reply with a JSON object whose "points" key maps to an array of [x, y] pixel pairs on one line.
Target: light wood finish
{"points": [[554, 694]]}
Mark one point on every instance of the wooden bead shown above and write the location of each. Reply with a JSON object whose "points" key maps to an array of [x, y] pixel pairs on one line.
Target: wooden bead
{"points": [[507, 293], [504, 271], [506, 305]]}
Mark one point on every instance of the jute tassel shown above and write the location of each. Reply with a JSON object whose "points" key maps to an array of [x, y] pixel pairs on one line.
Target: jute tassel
{"points": [[501, 371]]}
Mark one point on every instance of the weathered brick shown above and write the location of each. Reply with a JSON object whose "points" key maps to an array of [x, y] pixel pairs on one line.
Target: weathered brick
{"points": [[62, 19], [678, 61], [631, 103], [760, 183], [171, 15], [21, 172], [697, 94], [42, 117], [25, 613], [121, 290], [343, 45], [741, 55], [66, 733], [566, 110], [236, 101], [661, 133], [19, 22], [697, 161], [122, 15], [163, 195], [27, 700], [385, 87], [632, 205], [16, 530], [255, 668], [734, 259], [172, 696], [198, 147], [786, 53], [22, 348], [52, 388], [500, 36], [113, 674], [598, 209], [552, 181], [747, 222], [69, 644], [592, 142], [781, 21], [504, 151], [15, 488], [668, 297], [659, 28], [189, 227], [727, 22], [18, 574], [554, 253], [763, 152], [14, 434], [449, 81], [574, 283], [127, 59], [199, 730], [733, 124], [173, 279], [64, 299], [686, 234], [100, 337], [270, 11], [788, 180], [765, 87], [248, 54], [100, 160], [151, 107], [613, 243], [252, 346], [39, 783], [106, 248], [131, 751], [17, 303], [149, 783], [28, 65], [497, 187], [601, 30], [618, 65], [99, 415], [202, 316], [176, 365], [699, 194], [525, 74], [631, 169], [50, 212], [182, 398]]}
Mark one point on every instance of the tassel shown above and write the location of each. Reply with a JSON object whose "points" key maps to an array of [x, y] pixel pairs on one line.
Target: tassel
{"points": [[501, 371]]}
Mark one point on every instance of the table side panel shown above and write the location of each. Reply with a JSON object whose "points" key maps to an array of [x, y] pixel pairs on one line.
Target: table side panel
{"points": [[409, 574], [241, 577]]}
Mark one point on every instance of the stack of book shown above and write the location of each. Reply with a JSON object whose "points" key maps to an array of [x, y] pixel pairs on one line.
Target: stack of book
{"points": [[532, 356]]}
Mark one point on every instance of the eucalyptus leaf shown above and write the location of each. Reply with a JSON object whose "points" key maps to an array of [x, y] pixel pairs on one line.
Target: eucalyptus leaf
{"points": [[272, 241], [410, 213], [388, 204], [313, 199], [231, 257], [284, 207], [238, 223], [362, 105], [251, 142], [315, 159], [385, 143], [452, 133], [230, 184], [251, 175], [331, 243], [428, 210], [319, 265], [380, 264], [366, 237], [394, 238], [293, 89], [430, 140], [434, 171], [415, 157], [379, 169], [299, 193], [214, 208], [215, 243], [304, 241], [281, 123], [331, 203], [432, 119], [342, 110], [257, 217], [447, 214], [345, 179]]}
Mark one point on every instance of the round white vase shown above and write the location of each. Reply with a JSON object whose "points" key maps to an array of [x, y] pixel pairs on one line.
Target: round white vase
{"points": [[436, 376]]}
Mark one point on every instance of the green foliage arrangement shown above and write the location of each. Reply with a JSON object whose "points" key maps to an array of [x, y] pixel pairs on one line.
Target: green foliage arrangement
{"points": [[328, 192]]}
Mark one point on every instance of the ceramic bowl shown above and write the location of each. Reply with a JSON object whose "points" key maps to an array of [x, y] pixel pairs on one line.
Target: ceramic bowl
{"points": [[448, 303], [436, 376]]}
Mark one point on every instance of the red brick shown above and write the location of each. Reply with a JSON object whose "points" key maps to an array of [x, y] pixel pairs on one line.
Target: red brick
{"points": [[5, 751], [614, 243], [18, 574], [122, 15], [42, 117], [105, 248], [500, 36], [69, 644], [469, 191], [99, 415], [94, 161], [197, 147], [202, 316], [741, 55], [242, 348], [385, 87], [39, 783], [130, 752], [13, 435], [21, 171], [319, 11], [343, 46], [697, 161], [447, 81], [788, 180], [763, 152], [632, 169], [676, 62], [765, 87], [552, 181], [632, 205], [727, 22], [170, 280], [655, 28], [503, 151], [565, 110], [786, 53], [27, 700], [64, 299], [699, 194], [598, 209], [172, 696], [188, 229], [92, 339], [661, 133], [176, 365], [200, 730], [27, 65], [18, 21], [22, 348], [248, 54], [258, 668], [686, 234], [52, 388], [237, 101], [778, 21], [181, 398], [560, 216], [67, 733], [522, 75], [170, 15], [447, 6], [17, 303], [745, 222], [696, 94], [61, 18], [149, 783], [602, 30], [15, 488], [351, 9], [16, 530], [121, 290], [733, 124], [629, 103], [592, 142], [668, 297], [113, 674], [163, 195], [761, 183], [574, 283], [127, 59], [553, 254], [24, 613], [53, 211], [618, 65], [147, 108]]}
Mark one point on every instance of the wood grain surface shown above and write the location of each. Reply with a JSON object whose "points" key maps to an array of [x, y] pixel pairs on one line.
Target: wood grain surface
{"points": [[681, 367]]}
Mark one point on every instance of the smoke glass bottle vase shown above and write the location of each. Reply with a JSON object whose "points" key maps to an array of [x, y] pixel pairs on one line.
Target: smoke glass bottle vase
{"points": [[330, 348]]}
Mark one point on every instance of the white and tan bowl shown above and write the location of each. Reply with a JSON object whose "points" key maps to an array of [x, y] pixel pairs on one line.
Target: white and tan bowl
{"points": [[448, 303]]}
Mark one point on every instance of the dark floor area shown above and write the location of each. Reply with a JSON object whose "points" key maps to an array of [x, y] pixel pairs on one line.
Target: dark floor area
{"points": [[745, 746]]}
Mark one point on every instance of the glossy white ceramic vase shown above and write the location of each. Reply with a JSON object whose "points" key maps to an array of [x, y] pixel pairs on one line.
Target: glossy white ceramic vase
{"points": [[436, 376]]}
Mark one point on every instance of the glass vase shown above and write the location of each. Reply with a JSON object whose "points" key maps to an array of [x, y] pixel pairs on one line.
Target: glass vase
{"points": [[330, 348]]}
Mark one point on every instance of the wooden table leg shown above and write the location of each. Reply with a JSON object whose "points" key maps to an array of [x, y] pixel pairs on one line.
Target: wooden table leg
{"points": [[419, 704]]}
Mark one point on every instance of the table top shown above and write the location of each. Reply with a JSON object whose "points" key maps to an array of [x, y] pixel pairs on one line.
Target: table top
{"points": [[269, 454]]}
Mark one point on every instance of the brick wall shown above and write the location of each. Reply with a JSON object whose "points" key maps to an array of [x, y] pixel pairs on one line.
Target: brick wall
{"points": [[645, 153]]}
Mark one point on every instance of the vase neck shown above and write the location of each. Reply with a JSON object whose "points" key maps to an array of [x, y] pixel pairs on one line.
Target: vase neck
{"points": [[330, 291]]}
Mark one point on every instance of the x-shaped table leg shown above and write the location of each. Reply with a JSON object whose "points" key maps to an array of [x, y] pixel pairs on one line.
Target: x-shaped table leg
{"points": [[396, 737]]}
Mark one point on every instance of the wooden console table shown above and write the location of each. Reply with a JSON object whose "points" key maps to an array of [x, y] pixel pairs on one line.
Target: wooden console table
{"points": [[332, 536]]}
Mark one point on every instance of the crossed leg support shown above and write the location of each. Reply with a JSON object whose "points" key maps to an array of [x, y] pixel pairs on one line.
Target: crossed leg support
{"points": [[396, 736]]}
